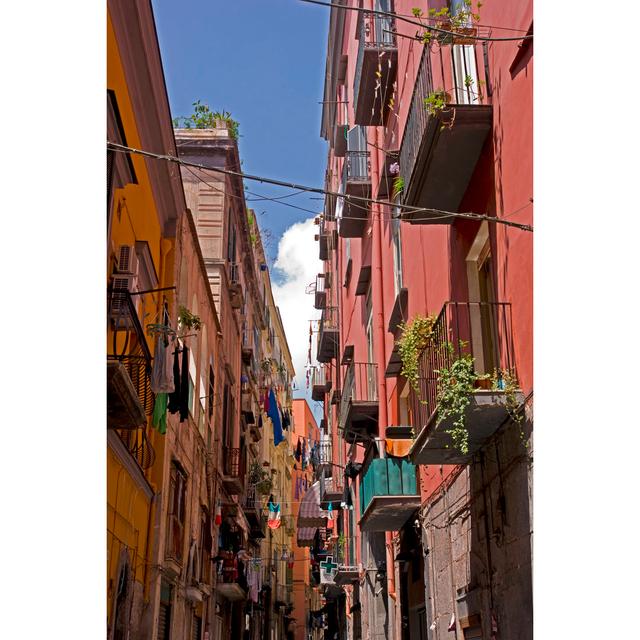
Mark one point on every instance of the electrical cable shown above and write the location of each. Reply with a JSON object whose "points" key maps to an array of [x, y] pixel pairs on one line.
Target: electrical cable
{"points": [[437, 212], [414, 22]]}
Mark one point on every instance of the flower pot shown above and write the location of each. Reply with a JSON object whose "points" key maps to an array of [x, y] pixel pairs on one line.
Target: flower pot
{"points": [[463, 33], [483, 384]]}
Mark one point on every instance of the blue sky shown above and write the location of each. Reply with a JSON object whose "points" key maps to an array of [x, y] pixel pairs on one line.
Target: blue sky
{"points": [[262, 60]]}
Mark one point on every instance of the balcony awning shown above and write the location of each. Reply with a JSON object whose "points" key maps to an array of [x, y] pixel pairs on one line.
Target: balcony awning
{"points": [[306, 536], [310, 513]]}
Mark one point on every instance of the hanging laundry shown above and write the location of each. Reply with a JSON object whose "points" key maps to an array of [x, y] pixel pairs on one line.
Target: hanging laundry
{"points": [[174, 398], [159, 419], [347, 502], [286, 420], [260, 421], [266, 401], [274, 414], [184, 385], [161, 375], [218, 516], [298, 454], [304, 454], [274, 516], [330, 516]]}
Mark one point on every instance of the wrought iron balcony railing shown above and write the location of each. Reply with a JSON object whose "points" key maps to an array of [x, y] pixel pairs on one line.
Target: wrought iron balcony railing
{"points": [[440, 148], [129, 397], [328, 335], [359, 400], [376, 68], [482, 330]]}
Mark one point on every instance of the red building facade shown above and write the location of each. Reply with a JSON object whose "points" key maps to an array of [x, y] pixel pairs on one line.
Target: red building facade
{"points": [[430, 128]]}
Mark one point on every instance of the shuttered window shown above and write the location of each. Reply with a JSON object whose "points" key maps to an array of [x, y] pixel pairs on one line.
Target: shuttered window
{"points": [[164, 616]]}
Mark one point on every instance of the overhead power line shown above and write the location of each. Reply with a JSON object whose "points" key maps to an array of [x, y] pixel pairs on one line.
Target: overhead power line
{"points": [[291, 185], [418, 24]]}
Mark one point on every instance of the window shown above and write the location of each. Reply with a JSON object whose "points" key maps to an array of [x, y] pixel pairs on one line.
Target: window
{"points": [[211, 394], [397, 250], [177, 511], [206, 542], [164, 616]]}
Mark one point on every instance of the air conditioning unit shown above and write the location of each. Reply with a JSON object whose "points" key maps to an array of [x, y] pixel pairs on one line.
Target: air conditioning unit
{"points": [[127, 260], [123, 279]]}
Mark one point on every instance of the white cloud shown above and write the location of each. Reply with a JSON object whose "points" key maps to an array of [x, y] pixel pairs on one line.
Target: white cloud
{"points": [[298, 265]]}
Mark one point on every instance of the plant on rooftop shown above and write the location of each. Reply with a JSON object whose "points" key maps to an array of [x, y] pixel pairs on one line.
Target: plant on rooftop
{"points": [[203, 118]]}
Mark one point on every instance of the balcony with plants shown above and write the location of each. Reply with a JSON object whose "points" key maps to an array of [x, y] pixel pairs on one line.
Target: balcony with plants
{"points": [[449, 118], [463, 378], [376, 68], [358, 416]]}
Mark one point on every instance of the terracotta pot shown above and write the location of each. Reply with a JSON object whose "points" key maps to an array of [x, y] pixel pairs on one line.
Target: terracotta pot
{"points": [[483, 384]]}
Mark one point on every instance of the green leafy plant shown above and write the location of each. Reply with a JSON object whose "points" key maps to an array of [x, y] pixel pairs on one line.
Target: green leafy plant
{"points": [[506, 381], [460, 22], [256, 474], [436, 102], [188, 320], [203, 118], [455, 386], [398, 186], [264, 486], [413, 340]]}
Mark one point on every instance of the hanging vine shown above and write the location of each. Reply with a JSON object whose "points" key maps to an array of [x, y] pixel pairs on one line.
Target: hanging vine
{"points": [[414, 339]]}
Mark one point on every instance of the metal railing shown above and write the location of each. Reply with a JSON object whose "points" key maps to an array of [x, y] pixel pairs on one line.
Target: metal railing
{"points": [[328, 320], [480, 329], [376, 32], [445, 68], [233, 463], [320, 284], [129, 347], [325, 453], [356, 168], [360, 385], [318, 377]]}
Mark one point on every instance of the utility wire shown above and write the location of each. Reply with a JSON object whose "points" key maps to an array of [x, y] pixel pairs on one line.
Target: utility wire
{"points": [[414, 22], [290, 185]]}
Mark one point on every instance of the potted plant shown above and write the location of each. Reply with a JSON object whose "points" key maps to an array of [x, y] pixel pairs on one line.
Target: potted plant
{"points": [[415, 337], [264, 486], [456, 383], [437, 102]]}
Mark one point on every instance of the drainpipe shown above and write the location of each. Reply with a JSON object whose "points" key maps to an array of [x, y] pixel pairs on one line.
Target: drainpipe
{"points": [[378, 305]]}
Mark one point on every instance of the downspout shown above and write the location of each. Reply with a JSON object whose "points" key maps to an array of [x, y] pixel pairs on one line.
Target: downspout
{"points": [[380, 343]]}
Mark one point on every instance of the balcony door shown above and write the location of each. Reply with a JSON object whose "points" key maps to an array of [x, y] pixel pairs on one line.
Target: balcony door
{"points": [[465, 71], [482, 316], [383, 24], [371, 381]]}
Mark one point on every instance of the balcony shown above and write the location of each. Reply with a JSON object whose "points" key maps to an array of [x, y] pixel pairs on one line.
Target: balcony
{"points": [[376, 68], [331, 488], [388, 494], [356, 181], [327, 240], [359, 402], [328, 335], [231, 581], [484, 331], [129, 396], [439, 152], [235, 286], [320, 292], [233, 471], [253, 511], [325, 456], [319, 384]]}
